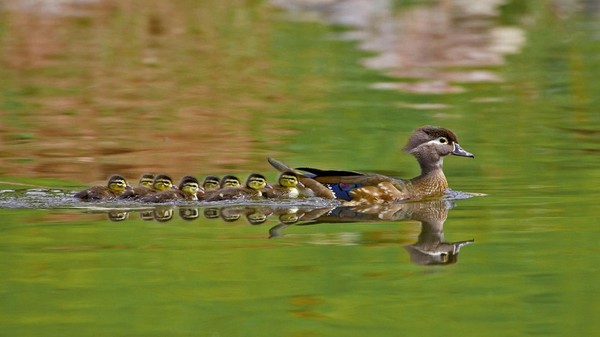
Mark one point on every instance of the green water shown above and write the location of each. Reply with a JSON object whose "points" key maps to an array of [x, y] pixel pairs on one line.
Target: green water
{"points": [[216, 88]]}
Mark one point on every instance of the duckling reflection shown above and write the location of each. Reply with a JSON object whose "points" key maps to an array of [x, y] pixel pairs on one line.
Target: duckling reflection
{"points": [[430, 248], [189, 213], [231, 214], [257, 215], [292, 215], [253, 215], [212, 213], [147, 215], [163, 213], [118, 215]]}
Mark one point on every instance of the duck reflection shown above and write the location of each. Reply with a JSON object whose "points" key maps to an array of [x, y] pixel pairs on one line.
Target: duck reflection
{"points": [[431, 247]]}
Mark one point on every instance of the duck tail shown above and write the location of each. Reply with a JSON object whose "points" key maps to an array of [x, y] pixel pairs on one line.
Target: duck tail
{"points": [[281, 166]]}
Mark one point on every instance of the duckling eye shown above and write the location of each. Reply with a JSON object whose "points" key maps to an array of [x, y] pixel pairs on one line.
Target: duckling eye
{"points": [[443, 140]]}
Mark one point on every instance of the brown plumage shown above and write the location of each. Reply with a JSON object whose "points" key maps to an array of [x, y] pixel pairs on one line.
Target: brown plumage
{"points": [[187, 189], [160, 183], [252, 189], [225, 182], [115, 186]]}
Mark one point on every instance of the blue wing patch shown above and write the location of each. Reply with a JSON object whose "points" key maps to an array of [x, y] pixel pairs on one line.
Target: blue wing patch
{"points": [[342, 191]]}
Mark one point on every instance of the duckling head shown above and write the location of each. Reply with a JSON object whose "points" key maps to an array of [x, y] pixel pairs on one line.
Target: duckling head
{"points": [[189, 185], [256, 181], [210, 183], [162, 182], [117, 184], [229, 181], [288, 179], [146, 180]]}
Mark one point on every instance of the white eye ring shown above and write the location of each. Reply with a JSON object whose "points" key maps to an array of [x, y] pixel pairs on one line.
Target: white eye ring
{"points": [[443, 140]]}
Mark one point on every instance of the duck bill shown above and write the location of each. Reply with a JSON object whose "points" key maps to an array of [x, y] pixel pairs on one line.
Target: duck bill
{"points": [[458, 151]]}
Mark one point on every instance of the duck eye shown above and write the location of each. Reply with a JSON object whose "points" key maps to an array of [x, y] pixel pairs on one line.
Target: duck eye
{"points": [[443, 140]]}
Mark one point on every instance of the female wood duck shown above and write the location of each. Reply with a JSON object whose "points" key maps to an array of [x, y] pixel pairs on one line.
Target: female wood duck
{"points": [[161, 182], [255, 183], [116, 186], [428, 144], [187, 189], [287, 188]]}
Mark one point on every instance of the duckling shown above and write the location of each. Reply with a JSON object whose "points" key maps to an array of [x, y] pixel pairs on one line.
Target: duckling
{"points": [[255, 183], [161, 182], [310, 187], [144, 185], [210, 183], [225, 182], [287, 188], [188, 187], [116, 186], [428, 144]]}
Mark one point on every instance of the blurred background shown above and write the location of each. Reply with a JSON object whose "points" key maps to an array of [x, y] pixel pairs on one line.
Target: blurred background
{"points": [[95, 87], [89, 88]]}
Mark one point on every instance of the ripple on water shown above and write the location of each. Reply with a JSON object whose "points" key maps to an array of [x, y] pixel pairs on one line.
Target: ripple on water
{"points": [[39, 198]]}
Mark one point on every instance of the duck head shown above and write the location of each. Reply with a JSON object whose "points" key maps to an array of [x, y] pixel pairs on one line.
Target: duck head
{"points": [[430, 144]]}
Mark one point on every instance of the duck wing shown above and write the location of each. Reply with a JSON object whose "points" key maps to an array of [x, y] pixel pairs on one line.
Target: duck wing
{"points": [[341, 183]]}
